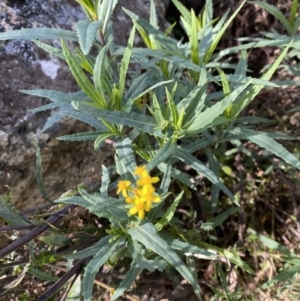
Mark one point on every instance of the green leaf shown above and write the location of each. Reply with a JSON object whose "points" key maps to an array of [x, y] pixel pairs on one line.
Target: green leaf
{"points": [[56, 96], [105, 180], [142, 122], [214, 166], [218, 220], [76, 290], [125, 61], [93, 267], [126, 283], [238, 261], [10, 215], [104, 12], [190, 160], [163, 154], [157, 112], [194, 102], [80, 77], [169, 214], [42, 275], [101, 138], [172, 107], [50, 49], [220, 33], [164, 55], [102, 73], [153, 16], [194, 40], [254, 90], [263, 140], [276, 13], [183, 11], [178, 175], [203, 119], [98, 204], [38, 33], [81, 136], [287, 275], [187, 249], [92, 250], [126, 155], [139, 254], [86, 32], [146, 234], [165, 42], [272, 244]]}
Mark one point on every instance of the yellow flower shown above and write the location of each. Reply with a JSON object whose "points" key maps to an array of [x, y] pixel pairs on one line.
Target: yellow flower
{"points": [[146, 184], [141, 171], [139, 207], [124, 187]]}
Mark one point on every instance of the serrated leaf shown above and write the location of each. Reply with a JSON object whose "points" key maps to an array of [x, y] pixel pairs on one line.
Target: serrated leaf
{"points": [[146, 234], [86, 32], [186, 14], [102, 72], [105, 180], [188, 248], [80, 77], [219, 35], [92, 250], [104, 12], [42, 275], [86, 118], [254, 90], [38, 33], [276, 13], [130, 276], [93, 267], [165, 42], [50, 49], [190, 160], [126, 156], [263, 140], [81, 136], [203, 119], [143, 122], [125, 61], [194, 39], [169, 214], [10, 215], [101, 138], [163, 154], [99, 205], [55, 96]]}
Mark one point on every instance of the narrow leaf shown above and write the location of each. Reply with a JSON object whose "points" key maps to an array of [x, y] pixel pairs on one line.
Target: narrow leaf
{"points": [[93, 267], [86, 31], [190, 160], [38, 33], [146, 234]]}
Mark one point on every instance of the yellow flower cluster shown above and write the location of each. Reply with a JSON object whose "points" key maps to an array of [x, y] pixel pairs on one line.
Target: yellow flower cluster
{"points": [[142, 195]]}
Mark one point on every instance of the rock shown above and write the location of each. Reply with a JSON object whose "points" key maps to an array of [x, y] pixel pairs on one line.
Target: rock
{"points": [[24, 66]]}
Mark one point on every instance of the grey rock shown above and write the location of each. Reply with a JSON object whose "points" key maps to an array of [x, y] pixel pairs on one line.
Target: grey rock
{"points": [[24, 66]]}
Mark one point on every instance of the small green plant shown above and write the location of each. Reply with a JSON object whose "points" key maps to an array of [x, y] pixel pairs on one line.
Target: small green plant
{"points": [[159, 115]]}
